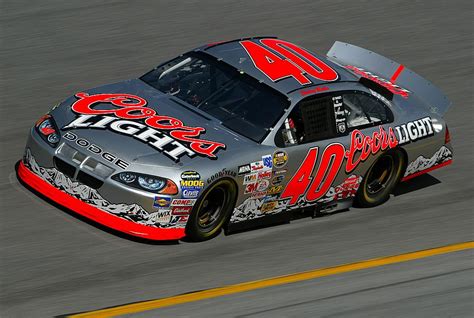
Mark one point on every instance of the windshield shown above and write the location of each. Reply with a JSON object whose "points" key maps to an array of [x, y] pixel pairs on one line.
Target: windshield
{"points": [[237, 100]]}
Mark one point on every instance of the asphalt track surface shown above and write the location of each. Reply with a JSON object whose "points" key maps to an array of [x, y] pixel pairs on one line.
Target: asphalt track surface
{"points": [[53, 263]]}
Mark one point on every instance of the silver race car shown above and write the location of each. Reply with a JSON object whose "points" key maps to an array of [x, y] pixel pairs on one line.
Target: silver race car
{"points": [[238, 134]]}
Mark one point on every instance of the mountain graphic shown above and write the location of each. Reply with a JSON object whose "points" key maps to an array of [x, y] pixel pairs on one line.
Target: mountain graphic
{"points": [[421, 163], [130, 212]]}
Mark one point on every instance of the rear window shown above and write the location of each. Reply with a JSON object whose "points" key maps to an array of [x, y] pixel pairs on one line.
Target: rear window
{"points": [[363, 110]]}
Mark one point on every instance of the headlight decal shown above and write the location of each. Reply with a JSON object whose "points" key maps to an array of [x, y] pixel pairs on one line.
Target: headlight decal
{"points": [[151, 183], [47, 129], [146, 182]]}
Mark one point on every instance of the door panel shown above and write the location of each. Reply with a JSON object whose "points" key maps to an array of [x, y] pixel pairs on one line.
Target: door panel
{"points": [[329, 158]]}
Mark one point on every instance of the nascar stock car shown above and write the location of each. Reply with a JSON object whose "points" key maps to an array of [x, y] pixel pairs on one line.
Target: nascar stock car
{"points": [[237, 134]]}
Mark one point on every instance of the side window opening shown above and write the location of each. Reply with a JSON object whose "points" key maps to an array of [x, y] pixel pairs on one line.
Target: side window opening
{"points": [[330, 116], [363, 110], [311, 120], [317, 119]]}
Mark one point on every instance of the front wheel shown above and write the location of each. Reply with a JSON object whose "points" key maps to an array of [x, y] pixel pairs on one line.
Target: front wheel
{"points": [[211, 211], [381, 179]]}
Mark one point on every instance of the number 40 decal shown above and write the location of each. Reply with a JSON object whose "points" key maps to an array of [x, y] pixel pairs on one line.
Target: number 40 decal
{"points": [[293, 65], [315, 188]]}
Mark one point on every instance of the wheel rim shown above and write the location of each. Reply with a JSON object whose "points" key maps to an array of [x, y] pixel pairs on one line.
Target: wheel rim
{"points": [[211, 208], [380, 175]]}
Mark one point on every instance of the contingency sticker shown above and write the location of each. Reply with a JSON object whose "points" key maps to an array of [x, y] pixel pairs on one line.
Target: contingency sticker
{"points": [[191, 184], [280, 158], [161, 202]]}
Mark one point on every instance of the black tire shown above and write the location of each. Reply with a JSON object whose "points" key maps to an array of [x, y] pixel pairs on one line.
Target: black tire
{"points": [[381, 179], [211, 211]]}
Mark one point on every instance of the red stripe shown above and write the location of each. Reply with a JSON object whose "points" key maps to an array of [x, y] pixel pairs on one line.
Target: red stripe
{"points": [[397, 73], [416, 174], [93, 213]]}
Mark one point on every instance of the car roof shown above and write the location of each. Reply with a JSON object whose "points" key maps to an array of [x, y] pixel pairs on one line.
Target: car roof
{"points": [[233, 53]]}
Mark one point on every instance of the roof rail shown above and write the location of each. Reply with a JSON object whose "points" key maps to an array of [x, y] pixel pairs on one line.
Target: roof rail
{"points": [[213, 44]]}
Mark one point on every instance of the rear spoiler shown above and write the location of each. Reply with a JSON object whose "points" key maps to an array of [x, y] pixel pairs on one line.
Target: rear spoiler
{"points": [[400, 78]]}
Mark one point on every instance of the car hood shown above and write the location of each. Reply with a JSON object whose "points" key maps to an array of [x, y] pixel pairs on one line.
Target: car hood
{"points": [[74, 116]]}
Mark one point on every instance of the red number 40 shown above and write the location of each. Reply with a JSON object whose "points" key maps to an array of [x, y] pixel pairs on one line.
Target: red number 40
{"points": [[293, 65], [303, 183]]}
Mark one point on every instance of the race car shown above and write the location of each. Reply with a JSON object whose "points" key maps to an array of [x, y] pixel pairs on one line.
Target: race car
{"points": [[238, 134]]}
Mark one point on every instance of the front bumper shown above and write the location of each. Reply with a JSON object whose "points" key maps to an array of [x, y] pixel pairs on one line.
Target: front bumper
{"points": [[95, 214]]}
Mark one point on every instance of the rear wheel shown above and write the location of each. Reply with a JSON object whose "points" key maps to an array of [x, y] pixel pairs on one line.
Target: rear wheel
{"points": [[381, 179], [211, 211]]}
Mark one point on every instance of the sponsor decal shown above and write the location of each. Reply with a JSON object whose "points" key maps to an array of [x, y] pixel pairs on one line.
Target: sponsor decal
{"points": [[223, 173], [362, 146], [274, 189], [395, 89], [243, 169], [264, 174], [259, 186], [267, 162], [257, 165], [268, 198], [291, 61], [258, 194], [250, 178], [278, 172], [161, 202], [84, 143], [191, 193], [181, 210], [183, 219], [317, 89], [339, 114], [346, 189], [190, 175], [278, 180], [268, 206], [250, 188], [191, 188], [130, 117], [183, 202], [313, 181], [415, 130], [262, 185], [161, 216], [280, 158], [191, 183]]}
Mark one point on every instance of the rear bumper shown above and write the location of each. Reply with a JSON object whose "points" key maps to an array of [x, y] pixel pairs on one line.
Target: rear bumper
{"points": [[93, 213]]}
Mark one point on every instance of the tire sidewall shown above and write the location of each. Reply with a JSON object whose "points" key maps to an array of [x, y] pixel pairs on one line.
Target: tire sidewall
{"points": [[193, 230], [364, 199]]}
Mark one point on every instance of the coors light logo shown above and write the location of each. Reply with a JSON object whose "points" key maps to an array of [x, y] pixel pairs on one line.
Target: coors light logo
{"points": [[164, 133]]}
